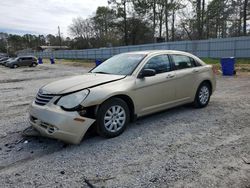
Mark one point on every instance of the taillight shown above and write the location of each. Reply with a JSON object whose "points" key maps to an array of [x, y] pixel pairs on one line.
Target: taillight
{"points": [[214, 69]]}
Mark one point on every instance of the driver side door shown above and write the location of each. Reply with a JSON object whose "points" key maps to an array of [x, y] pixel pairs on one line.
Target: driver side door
{"points": [[157, 92]]}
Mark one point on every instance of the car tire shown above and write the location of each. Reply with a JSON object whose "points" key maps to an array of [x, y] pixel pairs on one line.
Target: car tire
{"points": [[33, 65], [112, 118], [15, 66], [202, 96]]}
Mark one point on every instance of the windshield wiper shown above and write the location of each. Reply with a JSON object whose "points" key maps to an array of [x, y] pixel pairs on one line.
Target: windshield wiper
{"points": [[100, 72]]}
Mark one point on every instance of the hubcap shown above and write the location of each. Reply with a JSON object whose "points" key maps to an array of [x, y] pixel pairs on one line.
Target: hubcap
{"points": [[114, 118], [204, 94]]}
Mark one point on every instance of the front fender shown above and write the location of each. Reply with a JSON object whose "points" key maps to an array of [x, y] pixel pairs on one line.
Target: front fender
{"points": [[101, 93]]}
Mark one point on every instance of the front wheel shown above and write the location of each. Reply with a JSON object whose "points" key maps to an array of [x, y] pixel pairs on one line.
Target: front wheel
{"points": [[202, 95], [112, 118], [15, 66]]}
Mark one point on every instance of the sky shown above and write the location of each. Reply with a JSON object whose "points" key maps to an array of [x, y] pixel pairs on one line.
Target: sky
{"points": [[43, 16]]}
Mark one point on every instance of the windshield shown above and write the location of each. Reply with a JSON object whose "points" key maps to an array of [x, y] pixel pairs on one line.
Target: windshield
{"points": [[3, 58], [122, 64], [13, 58]]}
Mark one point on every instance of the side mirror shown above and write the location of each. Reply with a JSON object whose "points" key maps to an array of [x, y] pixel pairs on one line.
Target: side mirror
{"points": [[147, 73]]}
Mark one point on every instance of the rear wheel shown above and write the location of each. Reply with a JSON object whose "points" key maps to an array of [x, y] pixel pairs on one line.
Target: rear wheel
{"points": [[33, 65], [112, 118], [202, 95]]}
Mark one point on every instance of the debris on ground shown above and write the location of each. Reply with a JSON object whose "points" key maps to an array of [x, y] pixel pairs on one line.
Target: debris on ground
{"points": [[246, 160], [26, 142], [62, 172], [30, 131]]}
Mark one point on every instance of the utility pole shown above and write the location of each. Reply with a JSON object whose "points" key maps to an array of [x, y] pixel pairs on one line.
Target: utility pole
{"points": [[7, 45], [59, 34], [125, 22]]}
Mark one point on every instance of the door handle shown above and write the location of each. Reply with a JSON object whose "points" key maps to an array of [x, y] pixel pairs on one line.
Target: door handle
{"points": [[170, 76]]}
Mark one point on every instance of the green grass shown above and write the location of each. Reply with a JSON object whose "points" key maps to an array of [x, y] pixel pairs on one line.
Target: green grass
{"points": [[214, 61], [77, 60], [45, 60]]}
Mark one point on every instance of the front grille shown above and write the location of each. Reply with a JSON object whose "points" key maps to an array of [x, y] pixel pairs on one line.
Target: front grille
{"points": [[43, 99]]}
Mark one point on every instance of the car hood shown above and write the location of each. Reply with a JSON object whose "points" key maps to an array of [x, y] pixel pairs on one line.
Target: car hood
{"points": [[79, 82], [10, 61]]}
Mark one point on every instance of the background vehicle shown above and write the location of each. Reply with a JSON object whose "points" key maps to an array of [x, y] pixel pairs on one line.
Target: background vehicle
{"points": [[22, 61], [3, 59], [122, 88], [9, 59]]}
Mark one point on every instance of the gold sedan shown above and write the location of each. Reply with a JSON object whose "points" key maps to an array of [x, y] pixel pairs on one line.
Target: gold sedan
{"points": [[122, 88]]}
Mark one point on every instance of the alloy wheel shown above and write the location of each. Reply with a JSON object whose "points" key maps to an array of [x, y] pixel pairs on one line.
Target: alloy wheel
{"points": [[114, 118], [204, 94]]}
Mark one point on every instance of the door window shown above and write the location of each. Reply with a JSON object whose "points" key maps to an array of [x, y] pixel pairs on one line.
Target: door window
{"points": [[159, 63], [183, 62]]}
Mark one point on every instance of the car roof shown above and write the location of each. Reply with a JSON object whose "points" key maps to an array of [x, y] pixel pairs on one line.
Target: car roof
{"points": [[158, 52], [26, 56], [152, 52]]}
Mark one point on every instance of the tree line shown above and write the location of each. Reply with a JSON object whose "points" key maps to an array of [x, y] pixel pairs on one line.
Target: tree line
{"points": [[131, 22], [11, 43]]}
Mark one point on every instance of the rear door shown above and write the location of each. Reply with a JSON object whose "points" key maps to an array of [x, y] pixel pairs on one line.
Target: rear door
{"points": [[28, 61], [186, 71], [156, 92]]}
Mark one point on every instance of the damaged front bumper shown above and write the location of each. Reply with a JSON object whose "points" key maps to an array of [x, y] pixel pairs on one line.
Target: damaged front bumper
{"points": [[53, 122]]}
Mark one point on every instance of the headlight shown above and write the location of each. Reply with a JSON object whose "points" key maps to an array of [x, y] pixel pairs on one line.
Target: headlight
{"points": [[73, 100]]}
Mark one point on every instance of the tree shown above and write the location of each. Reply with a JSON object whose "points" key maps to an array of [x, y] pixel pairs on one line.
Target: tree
{"points": [[245, 12], [218, 12], [139, 31], [82, 30], [3, 42], [200, 14], [105, 26], [51, 40], [121, 11], [104, 21]]}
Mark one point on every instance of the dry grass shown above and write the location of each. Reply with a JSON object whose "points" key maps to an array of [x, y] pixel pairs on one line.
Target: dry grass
{"points": [[77, 63]]}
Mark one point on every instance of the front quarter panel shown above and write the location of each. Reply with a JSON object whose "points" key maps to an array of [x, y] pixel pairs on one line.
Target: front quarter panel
{"points": [[103, 92]]}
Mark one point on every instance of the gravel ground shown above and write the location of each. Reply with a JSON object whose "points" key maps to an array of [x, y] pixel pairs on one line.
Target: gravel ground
{"points": [[181, 147]]}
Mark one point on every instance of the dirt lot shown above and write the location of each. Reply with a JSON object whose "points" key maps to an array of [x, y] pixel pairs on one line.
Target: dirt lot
{"points": [[181, 147]]}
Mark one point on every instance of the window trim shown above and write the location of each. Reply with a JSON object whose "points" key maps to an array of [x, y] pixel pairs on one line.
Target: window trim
{"points": [[170, 63], [173, 64], [197, 64]]}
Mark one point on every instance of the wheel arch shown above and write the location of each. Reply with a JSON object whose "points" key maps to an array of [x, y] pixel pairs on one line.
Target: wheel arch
{"points": [[128, 101], [209, 83]]}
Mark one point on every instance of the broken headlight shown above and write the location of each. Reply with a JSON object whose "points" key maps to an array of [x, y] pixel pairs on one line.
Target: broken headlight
{"points": [[73, 100]]}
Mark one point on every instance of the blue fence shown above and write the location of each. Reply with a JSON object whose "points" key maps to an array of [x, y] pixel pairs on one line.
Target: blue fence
{"points": [[238, 47]]}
